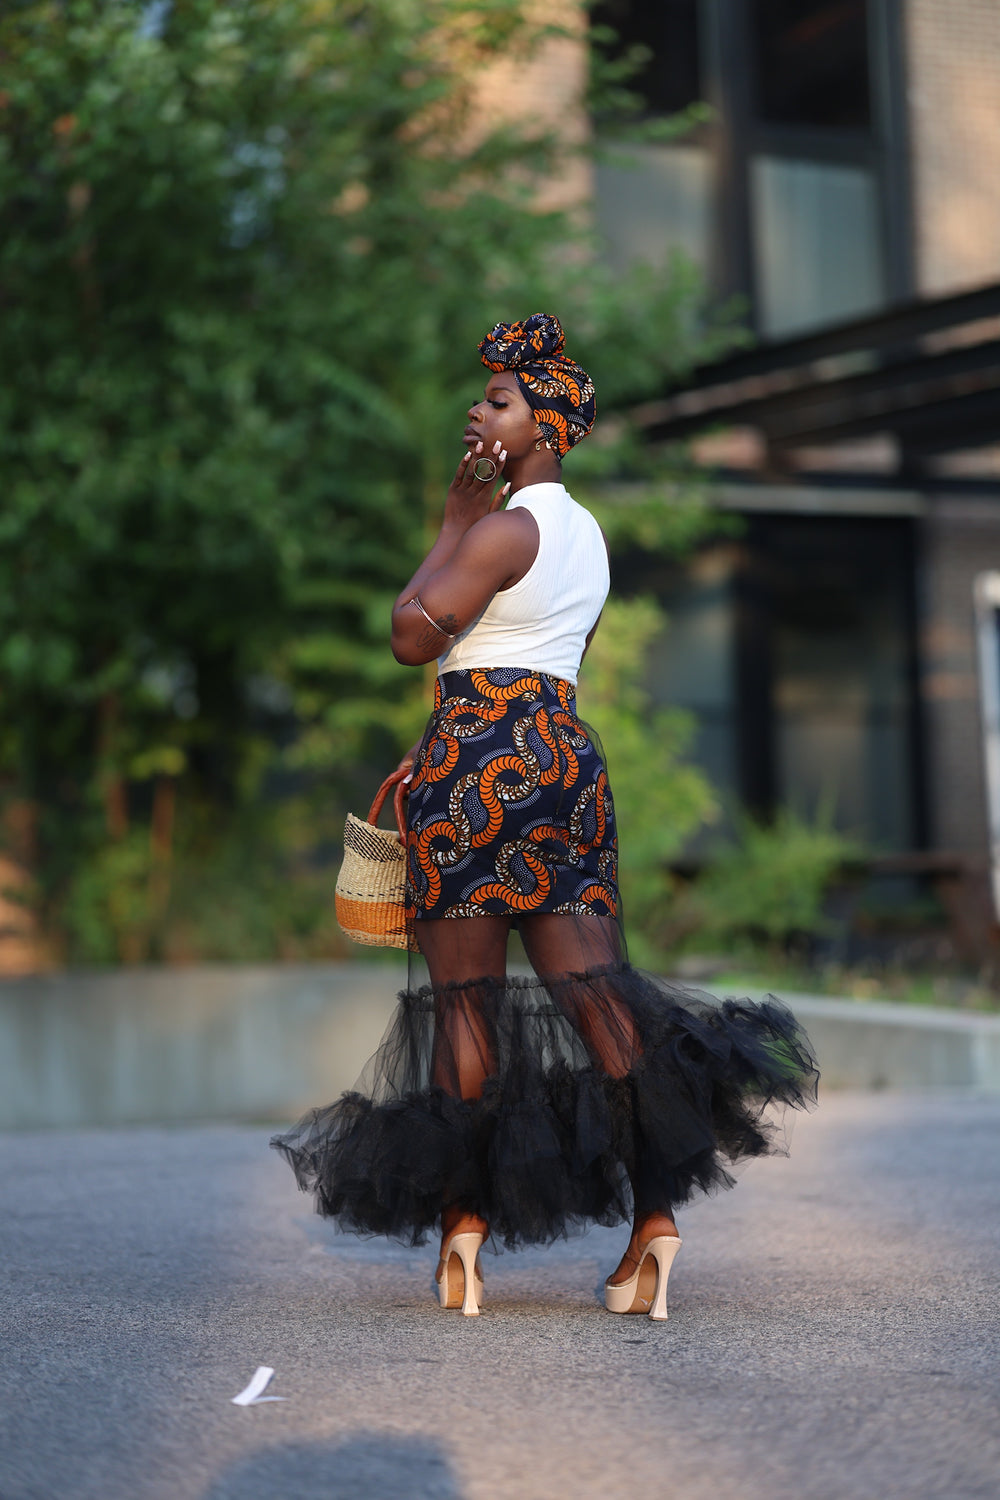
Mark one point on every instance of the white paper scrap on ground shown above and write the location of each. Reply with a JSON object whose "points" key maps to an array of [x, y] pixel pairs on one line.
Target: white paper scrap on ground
{"points": [[253, 1394]]}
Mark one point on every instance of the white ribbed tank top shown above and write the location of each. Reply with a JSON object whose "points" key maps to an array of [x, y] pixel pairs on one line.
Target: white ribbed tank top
{"points": [[542, 621]]}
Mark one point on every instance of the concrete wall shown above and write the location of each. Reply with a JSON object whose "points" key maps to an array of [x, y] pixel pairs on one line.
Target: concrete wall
{"points": [[872, 1045], [229, 1042], [208, 1042]]}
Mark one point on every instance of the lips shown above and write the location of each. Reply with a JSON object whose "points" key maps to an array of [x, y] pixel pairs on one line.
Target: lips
{"points": [[471, 434]]}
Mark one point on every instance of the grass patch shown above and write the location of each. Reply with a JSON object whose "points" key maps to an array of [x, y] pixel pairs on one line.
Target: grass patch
{"points": [[951, 990]]}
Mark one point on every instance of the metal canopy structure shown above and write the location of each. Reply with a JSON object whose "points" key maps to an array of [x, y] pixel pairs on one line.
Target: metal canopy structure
{"points": [[926, 372]]}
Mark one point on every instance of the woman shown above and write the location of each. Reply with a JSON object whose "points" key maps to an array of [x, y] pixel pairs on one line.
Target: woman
{"points": [[524, 1107]]}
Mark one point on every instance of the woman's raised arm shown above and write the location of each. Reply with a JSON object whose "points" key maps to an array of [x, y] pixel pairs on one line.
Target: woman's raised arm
{"points": [[479, 550]]}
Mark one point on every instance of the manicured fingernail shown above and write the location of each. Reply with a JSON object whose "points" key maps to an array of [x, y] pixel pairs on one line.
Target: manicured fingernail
{"points": [[479, 447], [506, 489], [503, 455], [496, 446]]}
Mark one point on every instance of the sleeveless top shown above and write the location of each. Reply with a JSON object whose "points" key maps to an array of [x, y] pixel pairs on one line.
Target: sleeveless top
{"points": [[542, 621]]}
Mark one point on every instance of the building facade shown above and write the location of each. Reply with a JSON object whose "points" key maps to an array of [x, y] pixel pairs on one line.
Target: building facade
{"points": [[847, 188]]}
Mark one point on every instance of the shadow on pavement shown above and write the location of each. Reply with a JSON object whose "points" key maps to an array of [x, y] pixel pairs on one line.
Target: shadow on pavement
{"points": [[369, 1464]]}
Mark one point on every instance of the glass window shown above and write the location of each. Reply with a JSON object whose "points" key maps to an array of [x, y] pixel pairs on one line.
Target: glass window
{"points": [[840, 683], [661, 200], [832, 637], [812, 62], [692, 664], [671, 80], [817, 244]]}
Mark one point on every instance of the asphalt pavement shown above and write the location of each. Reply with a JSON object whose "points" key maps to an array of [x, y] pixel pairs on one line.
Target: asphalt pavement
{"points": [[834, 1331]]}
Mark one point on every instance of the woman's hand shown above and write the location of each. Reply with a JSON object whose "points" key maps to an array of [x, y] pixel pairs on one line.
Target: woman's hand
{"points": [[468, 563], [406, 764], [470, 498]]}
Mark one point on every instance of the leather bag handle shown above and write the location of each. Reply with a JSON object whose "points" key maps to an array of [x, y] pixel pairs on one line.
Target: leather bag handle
{"points": [[398, 801]]}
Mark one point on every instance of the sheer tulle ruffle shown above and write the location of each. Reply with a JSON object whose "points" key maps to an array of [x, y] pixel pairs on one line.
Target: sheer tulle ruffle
{"points": [[604, 1091]]}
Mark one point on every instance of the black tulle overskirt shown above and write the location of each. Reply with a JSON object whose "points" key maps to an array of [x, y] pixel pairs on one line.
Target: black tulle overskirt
{"points": [[604, 1091]]}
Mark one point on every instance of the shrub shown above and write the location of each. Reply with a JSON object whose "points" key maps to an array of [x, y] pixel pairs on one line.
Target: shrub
{"points": [[767, 888]]}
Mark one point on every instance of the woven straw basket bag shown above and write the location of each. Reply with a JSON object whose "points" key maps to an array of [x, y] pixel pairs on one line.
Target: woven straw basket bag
{"points": [[370, 887]]}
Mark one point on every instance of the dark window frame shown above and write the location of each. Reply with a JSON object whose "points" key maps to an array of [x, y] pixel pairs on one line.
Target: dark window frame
{"points": [[737, 135], [762, 553], [757, 619], [757, 72], [599, 14]]}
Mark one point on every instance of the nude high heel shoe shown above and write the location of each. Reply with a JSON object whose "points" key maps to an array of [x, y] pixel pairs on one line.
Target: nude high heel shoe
{"points": [[646, 1290], [461, 1285]]}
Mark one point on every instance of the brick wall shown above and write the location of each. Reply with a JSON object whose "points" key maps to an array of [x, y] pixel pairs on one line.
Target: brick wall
{"points": [[545, 91], [953, 49], [959, 541]]}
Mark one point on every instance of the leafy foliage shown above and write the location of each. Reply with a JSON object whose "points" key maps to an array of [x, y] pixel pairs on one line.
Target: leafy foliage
{"points": [[247, 249], [768, 888]]}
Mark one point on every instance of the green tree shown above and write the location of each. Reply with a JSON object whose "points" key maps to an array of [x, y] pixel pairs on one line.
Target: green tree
{"points": [[247, 249]]}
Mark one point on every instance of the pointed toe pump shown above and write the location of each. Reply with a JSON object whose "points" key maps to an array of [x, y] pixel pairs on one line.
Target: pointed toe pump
{"points": [[646, 1290], [461, 1283]]}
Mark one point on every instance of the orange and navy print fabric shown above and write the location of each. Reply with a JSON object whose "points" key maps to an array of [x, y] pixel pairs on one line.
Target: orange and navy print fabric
{"points": [[558, 390], [510, 811]]}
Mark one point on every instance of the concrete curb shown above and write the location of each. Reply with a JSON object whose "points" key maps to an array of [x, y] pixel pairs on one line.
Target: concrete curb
{"points": [[210, 1042], [872, 1044], [223, 1042]]}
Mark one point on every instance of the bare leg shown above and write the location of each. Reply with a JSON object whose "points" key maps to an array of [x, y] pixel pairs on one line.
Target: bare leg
{"points": [[459, 950], [558, 945]]}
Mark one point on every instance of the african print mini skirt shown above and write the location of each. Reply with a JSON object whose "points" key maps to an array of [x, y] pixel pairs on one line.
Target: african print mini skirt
{"points": [[510, 811]]}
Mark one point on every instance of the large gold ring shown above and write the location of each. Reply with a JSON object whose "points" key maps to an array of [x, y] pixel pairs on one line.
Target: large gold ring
{"points": [[484, 477]]}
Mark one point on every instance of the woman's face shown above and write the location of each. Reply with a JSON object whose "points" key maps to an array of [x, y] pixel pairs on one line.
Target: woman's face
{"points": [[502, 416]]}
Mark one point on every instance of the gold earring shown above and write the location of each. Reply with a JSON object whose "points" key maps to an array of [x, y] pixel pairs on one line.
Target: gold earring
{"points": [[541, 442]]}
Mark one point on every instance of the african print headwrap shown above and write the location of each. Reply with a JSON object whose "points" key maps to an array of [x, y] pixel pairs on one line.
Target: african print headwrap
{"points": [[559, 392]]}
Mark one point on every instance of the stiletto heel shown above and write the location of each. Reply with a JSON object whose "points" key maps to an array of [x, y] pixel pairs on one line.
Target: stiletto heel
{"points": [[461, 1285], [646, 1290]]}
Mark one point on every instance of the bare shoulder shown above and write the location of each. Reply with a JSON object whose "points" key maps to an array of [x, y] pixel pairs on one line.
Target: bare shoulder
{"points": [[504, 530], [503, 545], [509, 523]]}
